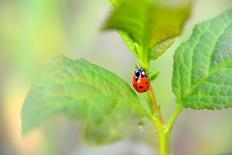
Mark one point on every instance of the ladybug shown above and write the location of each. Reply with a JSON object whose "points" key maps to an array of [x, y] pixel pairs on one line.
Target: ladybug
{"points": [[140, 81]]}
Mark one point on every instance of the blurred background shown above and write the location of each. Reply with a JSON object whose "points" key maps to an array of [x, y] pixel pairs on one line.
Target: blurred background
{"points": [[32, 32]]}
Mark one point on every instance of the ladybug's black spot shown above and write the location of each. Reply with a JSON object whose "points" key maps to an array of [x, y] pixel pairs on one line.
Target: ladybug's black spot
{"points": [[145, 82], [140, 87], [136, 79]]}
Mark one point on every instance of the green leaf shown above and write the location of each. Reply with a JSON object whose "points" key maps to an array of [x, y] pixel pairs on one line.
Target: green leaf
{"points": [[159, 49], [154, 76], [115, 3], [148, 22], [129, 42], [202, 77], [105, 104]]}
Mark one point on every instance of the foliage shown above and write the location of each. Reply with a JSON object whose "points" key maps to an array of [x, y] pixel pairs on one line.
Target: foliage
{"points": [[203, 66], [152, 25], [81, 90], [107, 105]]}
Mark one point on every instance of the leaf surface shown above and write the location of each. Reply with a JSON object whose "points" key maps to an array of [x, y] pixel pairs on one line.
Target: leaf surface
{"points": [[147, 22], [105, 104], [202, 77]]}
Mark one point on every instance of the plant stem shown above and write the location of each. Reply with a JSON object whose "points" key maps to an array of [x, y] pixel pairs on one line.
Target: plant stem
{"points": [[164, 133], [164, 138], [164, 129], [176, 114], [155, 104]]}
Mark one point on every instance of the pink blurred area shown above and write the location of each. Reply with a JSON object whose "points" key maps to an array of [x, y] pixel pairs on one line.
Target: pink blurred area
{"points": [[32, 32]]}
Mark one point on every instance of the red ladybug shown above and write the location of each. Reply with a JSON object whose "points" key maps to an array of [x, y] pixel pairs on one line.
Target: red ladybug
{"points": [[140, 81]]}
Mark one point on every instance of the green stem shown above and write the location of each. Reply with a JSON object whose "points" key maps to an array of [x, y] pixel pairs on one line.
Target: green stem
{"points": [[164, 129], [155, 104], [142, 56], [165, 132], [176, 114], [164, 138]]}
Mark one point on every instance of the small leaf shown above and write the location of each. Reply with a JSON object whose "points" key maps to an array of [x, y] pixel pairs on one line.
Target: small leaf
{"points": [[106, 105], [159, 49], [202, 77], [148, 22], [154, 76]]}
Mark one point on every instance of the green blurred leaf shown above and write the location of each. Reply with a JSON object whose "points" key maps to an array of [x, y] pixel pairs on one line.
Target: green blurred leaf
{"points": [[115, 3], [128, 41], [148, 22], [159, 49], [202, 77], [154, 76], [106, 104]]}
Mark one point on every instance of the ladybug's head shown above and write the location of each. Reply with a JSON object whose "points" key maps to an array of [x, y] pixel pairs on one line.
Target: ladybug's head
{"points": [[140, 73]]}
